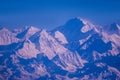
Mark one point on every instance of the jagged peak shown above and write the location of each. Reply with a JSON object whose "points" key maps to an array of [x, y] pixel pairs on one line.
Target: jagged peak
{"points": [[113, 28], [87, 26], [4, 32], [44, 32], [83, 20], [77, 28], [7, 37], [28, 32], [74, 22], [3, 29], [31, 28], [78, 24], [80, 20]]}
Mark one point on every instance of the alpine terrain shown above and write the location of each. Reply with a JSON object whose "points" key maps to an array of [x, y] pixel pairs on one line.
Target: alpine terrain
{"points": [[77, 50]]}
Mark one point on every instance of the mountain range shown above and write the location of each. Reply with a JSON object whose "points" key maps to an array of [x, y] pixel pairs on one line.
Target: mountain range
{"points": [[77, 50]]}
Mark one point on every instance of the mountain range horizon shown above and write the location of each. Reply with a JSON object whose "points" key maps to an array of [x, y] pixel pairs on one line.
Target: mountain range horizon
{"points": [[25, 26], [76, 50]]}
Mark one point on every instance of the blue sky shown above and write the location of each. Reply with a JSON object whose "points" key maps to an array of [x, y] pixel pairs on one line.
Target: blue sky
{"points": [[51, 13]]}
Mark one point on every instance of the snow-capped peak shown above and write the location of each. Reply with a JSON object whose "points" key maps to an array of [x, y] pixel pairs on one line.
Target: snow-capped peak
{"points": [[87, 26], [44, 32], [4, 30], [76, 29], [82, 24], [32, 29], [28, 32], [7, 37]]}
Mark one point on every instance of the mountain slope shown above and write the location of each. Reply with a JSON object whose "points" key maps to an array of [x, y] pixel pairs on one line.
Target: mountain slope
{"points": [[78, 50]]}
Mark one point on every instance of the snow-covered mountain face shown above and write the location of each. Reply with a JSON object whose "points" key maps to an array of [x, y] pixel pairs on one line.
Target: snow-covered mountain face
{"points": [[77, 50]]}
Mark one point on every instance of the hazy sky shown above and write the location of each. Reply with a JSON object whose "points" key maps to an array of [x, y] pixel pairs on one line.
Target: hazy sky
{"points": [[52, 13]]}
